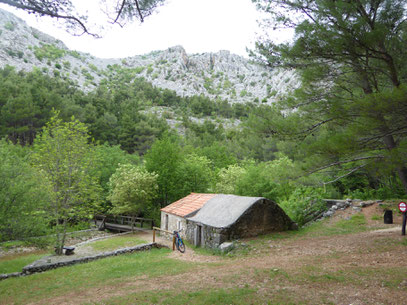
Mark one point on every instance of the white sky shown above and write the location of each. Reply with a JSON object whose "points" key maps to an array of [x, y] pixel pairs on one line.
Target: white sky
{"points": [[198, 25]]}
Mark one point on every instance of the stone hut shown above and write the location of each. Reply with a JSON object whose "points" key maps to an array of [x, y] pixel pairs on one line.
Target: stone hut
{"points": [[173, 216], [228, 217]]}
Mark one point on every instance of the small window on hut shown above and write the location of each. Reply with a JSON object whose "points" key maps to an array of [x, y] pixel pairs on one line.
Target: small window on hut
{"points": [[179, 225], [166, 222]]}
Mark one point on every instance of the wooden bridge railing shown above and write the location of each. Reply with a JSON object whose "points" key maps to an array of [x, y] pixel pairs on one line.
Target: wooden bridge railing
{"points": [[130, 221]]}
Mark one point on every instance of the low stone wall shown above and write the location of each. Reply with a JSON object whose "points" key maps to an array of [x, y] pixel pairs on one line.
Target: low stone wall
{"points": [[43, 264], [10, 275], [336, 204]]}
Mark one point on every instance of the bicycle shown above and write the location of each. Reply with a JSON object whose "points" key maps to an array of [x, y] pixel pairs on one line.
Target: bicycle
{"points": [[178, 242]]}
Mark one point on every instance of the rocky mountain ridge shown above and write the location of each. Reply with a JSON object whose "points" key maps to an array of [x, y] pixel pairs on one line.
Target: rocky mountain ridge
{"points": [[216, 75]]}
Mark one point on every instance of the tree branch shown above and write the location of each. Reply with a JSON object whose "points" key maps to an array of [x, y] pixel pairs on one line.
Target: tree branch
{"points": [[344, 162], [139, 11], [42, 11], [347, 174]]}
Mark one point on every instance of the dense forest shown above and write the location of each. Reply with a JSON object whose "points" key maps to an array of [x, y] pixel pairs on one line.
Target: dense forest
{"points": [[67, 154]]}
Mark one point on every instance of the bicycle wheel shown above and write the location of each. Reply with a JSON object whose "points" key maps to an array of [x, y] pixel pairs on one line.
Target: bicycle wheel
{"points": [[180, 246]]}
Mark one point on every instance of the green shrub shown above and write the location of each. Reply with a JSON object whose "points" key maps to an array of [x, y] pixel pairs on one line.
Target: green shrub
{"points": [[10, 26], [67, 64], [75, 54], [138, 70], [48, 51], [93, 67], [304, 204], [383, 192], [11, 53]]}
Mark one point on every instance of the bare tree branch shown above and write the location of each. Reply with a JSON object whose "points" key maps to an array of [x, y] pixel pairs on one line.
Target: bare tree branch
{"points": [[344, 162], [347, 174]]}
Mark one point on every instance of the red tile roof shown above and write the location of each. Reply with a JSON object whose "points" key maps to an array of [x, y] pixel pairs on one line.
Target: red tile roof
{"points": [[187, 205]]}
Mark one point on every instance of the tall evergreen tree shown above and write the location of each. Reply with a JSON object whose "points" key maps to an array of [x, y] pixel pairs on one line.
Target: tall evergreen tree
{"points": [[350, 56]]}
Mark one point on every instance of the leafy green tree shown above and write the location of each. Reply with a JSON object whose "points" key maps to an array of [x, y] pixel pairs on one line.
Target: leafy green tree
{"points": [[64, 156], [107, 160], [271, 180], [218, 154], [23, 195], [132, 190], [164, 158], [196, 174], [351, 106], [304, 204], [228, 178]]}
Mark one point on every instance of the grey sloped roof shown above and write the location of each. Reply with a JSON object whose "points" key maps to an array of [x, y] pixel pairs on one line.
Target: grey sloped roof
{"points": [[222, 210]]}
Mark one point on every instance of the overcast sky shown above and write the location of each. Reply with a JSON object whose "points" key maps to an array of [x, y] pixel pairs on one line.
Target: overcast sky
{"points": [[197, 25]]}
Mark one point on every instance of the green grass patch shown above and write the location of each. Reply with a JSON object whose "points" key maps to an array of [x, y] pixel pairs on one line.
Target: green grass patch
{"points": [[11, 244], [105, 272], [355, 276], [16, 262], [114, 243], [356, 223], [315, 274], [376, 217], [206, 296]]}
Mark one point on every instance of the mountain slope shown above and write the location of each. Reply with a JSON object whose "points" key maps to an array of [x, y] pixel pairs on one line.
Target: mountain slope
{"points": [[216, 75]]}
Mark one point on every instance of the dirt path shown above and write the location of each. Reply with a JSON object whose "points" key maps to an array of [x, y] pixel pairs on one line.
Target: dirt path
{"points": [[360, 268]]}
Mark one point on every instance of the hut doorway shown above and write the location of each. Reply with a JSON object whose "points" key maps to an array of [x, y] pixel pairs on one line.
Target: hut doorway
{"points": [[198, 234]]}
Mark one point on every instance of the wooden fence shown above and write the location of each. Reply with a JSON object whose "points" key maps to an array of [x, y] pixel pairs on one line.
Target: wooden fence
{"points": [[122, 223]]}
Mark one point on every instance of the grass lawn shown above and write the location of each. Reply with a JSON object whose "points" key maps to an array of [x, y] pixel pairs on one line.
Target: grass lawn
{"points": [[118, 242], [205, 296], [16, 262], [77, 278]]}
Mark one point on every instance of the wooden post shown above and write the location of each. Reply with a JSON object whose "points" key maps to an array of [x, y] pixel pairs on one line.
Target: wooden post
{"points": [[153, 235], [173, 243], [403, 227], [132, 224]]}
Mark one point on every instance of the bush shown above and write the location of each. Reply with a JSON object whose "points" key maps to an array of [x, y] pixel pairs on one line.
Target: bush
{"points": [[304, 204], [23, 195], [10, 26], [48, 51], [132, 190], [380, 193]]}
